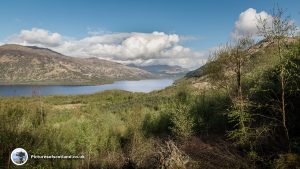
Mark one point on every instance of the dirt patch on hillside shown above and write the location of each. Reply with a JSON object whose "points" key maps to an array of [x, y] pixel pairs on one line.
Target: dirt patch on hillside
{"points": [[68, 106]]}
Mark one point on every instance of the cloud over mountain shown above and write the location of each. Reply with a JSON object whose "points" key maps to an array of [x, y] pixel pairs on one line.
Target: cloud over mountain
{"points": [[38, 36], [132, 47]]}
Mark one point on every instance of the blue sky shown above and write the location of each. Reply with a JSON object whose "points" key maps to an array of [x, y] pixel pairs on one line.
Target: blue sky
{"points": [[204, 24]]}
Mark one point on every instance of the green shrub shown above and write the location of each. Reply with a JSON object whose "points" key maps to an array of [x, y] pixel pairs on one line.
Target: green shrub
{"points": [[209, 110], [157, 123], [182, 121]]}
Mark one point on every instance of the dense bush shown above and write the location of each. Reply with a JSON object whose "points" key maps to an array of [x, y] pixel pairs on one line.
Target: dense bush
{"points": [[209, 110]]}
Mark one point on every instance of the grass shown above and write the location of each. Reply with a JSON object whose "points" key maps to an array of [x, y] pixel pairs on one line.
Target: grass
{"points": [[113, 129], [90, 125]]}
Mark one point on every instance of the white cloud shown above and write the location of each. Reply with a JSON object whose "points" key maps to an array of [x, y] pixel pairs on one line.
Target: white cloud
{"points": [[133, 47], [248, 21], [38, 36]]}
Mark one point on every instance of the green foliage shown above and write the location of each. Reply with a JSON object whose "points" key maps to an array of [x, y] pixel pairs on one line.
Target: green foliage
{"points": [[182, 121], [209, 110], [242, 132], [107, 128], [157, 123], [261, 84]]}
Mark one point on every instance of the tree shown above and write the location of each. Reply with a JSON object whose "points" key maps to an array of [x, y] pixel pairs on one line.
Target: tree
{"points": [[227, 68], [216, 69], [278, 30], [237, 59], [182, 121], [229, 60]]}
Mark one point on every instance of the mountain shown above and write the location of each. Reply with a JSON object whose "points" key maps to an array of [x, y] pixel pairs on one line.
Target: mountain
{"points": [[196, 73], [34, 65], [162, 70]]}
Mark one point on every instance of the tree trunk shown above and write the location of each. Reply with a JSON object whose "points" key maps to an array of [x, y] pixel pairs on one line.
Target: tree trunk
{"points": [[239, 90], [283, 111], [238, 75]]}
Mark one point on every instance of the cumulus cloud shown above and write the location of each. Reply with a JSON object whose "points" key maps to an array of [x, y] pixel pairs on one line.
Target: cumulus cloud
{"points": [[191, 62], [133, 47], [248, 21], [38, 36]]}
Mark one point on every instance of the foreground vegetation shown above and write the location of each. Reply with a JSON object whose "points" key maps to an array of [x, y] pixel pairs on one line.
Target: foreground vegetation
{"points": [[240, 111], [112, 129]]}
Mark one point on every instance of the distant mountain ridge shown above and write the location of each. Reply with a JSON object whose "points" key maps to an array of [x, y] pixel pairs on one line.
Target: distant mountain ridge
{"points": [[162, 70], [35, 65]]}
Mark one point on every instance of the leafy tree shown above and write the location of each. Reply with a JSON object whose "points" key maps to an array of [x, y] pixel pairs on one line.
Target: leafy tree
{"points": [[228, 68], [237, 58], [278, 30]]}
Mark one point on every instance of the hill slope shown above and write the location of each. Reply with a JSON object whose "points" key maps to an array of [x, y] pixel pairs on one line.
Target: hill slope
{"points": [[163, 70], [34, 65], [259, 48]]}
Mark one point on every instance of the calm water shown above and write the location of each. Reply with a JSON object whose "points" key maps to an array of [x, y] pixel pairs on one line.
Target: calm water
{"points": [[132, 86]]}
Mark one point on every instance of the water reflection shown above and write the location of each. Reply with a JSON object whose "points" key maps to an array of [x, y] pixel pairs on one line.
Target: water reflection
{"points": [[132, 86]]}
